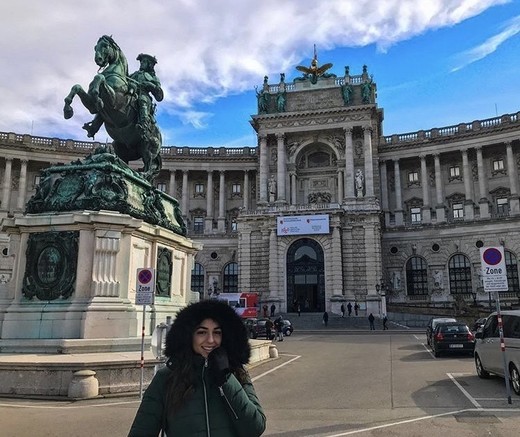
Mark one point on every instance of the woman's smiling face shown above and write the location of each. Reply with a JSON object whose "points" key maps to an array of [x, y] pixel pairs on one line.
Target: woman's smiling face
{"points": [[207, 336]]}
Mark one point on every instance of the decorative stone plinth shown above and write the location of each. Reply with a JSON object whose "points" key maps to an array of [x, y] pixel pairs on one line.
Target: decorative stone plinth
{"points": [[84, 385]]}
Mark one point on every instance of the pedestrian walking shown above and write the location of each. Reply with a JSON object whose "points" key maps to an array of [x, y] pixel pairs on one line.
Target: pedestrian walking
{"points": [[299, 309], [342, 310], [273, 308], [204, 389], [349, 309], [356, 308], [371, 319], [269, 325], [385, 321], [264, 308], [326, 318], [278, 324]]}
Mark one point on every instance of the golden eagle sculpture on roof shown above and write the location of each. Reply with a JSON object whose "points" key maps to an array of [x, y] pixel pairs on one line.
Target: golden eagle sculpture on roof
{"points": [[314, 72]]}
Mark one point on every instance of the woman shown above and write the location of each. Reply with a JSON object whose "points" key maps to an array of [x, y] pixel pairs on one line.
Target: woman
{"points": [[204, 390]]}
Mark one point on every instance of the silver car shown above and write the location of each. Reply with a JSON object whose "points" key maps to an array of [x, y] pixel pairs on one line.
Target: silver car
{"points": [[488, 353]]}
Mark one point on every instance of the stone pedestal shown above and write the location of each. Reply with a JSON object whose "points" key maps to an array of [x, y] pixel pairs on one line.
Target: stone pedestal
{"points": [[75, 275]]}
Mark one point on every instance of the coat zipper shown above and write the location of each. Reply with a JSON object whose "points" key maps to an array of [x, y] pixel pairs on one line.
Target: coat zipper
{"points": [[227, 401], [206, 396]]}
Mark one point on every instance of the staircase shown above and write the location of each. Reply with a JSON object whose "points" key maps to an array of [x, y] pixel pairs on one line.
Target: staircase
{"points": [[314, 321]]}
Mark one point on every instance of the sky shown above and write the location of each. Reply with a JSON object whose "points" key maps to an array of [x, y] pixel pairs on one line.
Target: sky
{"points": [[435, 62]]}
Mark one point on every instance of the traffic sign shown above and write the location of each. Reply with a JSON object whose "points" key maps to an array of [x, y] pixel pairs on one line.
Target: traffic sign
{"points": [[145, 287], [494, 272]]}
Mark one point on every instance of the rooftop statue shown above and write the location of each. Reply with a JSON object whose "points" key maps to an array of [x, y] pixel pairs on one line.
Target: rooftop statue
{"points": [[123, 103], [314, 72]]}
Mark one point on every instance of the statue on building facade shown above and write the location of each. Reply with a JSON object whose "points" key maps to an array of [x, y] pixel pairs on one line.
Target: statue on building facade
{"points": [[272, 189], [263, 97], [281, 96], [123, 103], [313, 73], [346, 88], [359, 182], [366, 90]]}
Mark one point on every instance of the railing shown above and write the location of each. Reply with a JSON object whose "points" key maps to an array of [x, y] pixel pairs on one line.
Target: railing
{"points": [[448, 131]]}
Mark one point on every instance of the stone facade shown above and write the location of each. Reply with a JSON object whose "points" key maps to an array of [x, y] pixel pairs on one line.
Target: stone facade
{"points": [[407, 212]]}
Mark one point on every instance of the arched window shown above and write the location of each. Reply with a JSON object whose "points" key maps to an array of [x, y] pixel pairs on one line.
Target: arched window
{"points": [[230, 278], [512, 272], [197, 279], [416, 277], [460, 274]]}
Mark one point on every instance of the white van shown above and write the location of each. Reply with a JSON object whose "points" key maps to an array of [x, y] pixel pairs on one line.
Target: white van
{"points": [[488, 354]]}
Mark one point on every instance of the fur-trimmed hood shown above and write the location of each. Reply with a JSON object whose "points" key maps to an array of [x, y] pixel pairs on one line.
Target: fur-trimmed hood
{"points": [[234, 333]]}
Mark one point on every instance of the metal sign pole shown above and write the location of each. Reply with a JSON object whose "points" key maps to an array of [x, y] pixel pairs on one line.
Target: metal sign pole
{"points": [[503, 347], [141, 382]]}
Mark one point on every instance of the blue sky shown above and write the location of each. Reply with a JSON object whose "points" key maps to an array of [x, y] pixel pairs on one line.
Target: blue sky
{"points": [[435, 62]]}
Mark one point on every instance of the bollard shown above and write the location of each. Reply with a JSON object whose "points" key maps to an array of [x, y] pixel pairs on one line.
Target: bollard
{"points": [[84, 385], [273, 351]]}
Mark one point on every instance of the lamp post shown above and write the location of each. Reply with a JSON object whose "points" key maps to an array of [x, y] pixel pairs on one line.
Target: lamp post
{"points": [[378, 288]]}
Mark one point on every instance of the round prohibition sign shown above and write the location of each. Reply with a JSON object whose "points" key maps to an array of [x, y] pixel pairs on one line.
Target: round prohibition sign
{"points": [[145, 276], [492, 256]]}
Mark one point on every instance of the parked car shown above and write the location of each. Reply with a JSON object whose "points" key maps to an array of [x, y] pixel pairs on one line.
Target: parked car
{"points": [[257, 327], [432, 323], [252, 327], [479, 323], [488, 353], [287, 328], [452, 337]]}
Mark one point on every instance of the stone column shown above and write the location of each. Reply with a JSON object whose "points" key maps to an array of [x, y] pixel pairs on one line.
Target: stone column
{"points": [[222, 202], [384, 191], [208, 225], [336, 262], [369, 165], [185, 193], [398, 195], [349, 164], [173, 184], [512, 172], [264, 170], [469, 206], [274, 268], [281, 169], [439, 207], [293, 188], [426, 211], [22, 186], [341, 185], [247, 190], [6, 195], [483, 201]]}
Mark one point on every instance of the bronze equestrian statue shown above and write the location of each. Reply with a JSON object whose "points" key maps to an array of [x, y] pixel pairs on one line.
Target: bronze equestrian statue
{"points": [[123, 103]]}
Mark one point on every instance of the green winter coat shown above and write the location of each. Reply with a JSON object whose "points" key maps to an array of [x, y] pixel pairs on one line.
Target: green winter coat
{"points": [[232, 411]]}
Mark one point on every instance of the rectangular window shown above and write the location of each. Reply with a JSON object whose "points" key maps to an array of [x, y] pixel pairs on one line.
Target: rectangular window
{"points": [[458, 211], [498, 164], [455, 171], [502, 206], [236, 188], [161, 186], [198, 225], [199, 188], [415, 215], [413, 176], [37, 180]]}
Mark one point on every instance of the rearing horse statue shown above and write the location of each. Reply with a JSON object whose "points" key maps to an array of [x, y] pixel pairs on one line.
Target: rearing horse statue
{"points": [[119, 101]]}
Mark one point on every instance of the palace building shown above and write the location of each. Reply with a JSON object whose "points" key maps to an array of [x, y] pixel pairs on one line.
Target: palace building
{"points": [[326, 209]]}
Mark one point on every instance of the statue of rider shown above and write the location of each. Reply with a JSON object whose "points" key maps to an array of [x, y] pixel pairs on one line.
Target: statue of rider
{"points": [[145, 82]]}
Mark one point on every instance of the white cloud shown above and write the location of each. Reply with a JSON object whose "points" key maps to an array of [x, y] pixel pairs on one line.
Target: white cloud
{"points": [[206, 48], [490, 45]]}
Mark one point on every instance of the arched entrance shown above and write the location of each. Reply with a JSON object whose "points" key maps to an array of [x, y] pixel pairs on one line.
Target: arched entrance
{"points": [[305, 276]]}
